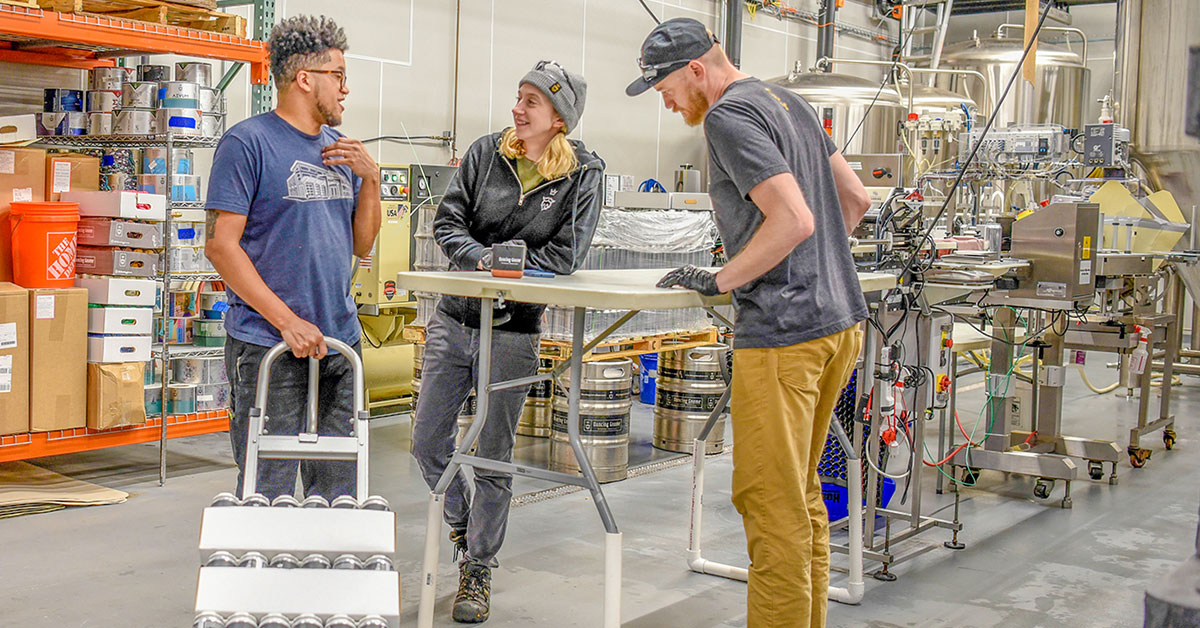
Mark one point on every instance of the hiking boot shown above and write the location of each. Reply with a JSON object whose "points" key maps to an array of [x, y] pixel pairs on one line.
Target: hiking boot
{"points": [[459, 539], [472, 603]]}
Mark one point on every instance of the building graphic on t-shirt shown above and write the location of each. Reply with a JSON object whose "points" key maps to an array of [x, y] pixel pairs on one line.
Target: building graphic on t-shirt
{"points": [[313, 183]]}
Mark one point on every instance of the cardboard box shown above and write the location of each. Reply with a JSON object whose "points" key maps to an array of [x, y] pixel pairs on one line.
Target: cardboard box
{"points": [[115, 291], [14, 359], [110, 349], [71, 172], [22, 128], [109, 232], [57, 359], [115, 395], [22, 178], [129, 321], [119, 204], [102, 260]]}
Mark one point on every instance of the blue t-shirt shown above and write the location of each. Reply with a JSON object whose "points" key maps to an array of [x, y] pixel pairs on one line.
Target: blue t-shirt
{"points": [[299, 224]]}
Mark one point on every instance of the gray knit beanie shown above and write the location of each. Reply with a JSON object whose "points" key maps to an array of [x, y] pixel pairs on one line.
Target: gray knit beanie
{"points": [[566, 90]]}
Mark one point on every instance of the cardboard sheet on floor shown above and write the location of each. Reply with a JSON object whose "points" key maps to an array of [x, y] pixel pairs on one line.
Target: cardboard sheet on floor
{"points": [[23, 483]]}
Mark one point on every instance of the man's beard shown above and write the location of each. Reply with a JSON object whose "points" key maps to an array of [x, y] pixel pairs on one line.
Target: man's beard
{"points": [[694, 113], [328, 117]]}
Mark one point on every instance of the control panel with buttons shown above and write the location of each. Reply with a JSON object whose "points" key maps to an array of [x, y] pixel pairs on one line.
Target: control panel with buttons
{"points": [[393, 184]]}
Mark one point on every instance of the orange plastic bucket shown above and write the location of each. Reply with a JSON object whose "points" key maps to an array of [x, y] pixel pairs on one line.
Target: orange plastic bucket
{"points": [[43, 244]]}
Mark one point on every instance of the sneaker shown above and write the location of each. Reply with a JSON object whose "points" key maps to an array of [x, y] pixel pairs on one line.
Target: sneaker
{"points": [[459, 539], [472, 603]]}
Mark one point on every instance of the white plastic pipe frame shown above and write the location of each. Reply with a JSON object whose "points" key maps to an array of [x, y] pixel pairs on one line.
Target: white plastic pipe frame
{"points": [[853, 592], [433, 516], [308, 435]]}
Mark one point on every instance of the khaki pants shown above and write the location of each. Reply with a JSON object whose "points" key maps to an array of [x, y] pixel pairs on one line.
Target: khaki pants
{"points": [[783, 400]]}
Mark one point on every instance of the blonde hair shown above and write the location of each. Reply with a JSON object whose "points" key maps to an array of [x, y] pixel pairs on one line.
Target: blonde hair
{"points": [[558, 160]]}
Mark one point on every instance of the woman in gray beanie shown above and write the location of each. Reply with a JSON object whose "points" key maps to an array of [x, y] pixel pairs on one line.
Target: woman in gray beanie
{"points": [[527, 183]]}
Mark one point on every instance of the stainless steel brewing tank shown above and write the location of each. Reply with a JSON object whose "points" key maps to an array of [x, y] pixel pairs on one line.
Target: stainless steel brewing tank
{"points": [[844, 100], [926, 99], [1059, 95]]}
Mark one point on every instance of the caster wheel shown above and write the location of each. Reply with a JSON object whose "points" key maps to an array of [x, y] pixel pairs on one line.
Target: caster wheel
{"points": [[1042, 488], [1095, 470], [1138, 458], [1066, 503], [884, 576], [970, 476], [1169, 439]]}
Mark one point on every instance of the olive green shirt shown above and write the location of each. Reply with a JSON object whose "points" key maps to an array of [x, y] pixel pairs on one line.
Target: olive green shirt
{"points": [[528, 173]]}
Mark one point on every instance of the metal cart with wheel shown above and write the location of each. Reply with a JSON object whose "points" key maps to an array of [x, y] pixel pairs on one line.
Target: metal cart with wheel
{"points": [[250, 547]]}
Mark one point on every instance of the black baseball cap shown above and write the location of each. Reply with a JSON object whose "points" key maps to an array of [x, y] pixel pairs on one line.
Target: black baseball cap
{"points": [[670, 46]]}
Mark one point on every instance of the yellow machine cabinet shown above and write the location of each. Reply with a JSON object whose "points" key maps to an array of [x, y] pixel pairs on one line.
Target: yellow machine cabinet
{"points": [[375, 281], [402, 188]]}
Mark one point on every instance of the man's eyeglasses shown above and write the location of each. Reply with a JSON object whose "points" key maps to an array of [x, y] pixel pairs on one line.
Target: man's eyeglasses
{"points": [[340, 75]]}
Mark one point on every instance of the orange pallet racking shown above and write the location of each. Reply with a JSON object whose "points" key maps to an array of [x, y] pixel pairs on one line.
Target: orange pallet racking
{"points": [[59, 442], [83, 41], [41, 37]]}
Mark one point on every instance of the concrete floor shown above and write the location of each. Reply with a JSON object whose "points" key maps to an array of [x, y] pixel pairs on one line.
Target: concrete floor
{"points": [[1027, 562]]}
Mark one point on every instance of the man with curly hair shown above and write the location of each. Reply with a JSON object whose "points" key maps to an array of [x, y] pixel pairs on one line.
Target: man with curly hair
{"points": [[285, 220]]}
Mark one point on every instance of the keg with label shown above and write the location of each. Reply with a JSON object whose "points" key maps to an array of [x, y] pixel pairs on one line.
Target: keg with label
{"points": [[689, 386], [535, 417], [604, 405]]}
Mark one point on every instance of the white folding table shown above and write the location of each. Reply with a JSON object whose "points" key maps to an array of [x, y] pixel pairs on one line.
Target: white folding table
{"points": [[631, 290]]}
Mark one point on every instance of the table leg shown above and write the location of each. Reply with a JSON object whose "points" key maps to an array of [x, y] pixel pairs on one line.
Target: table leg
{"points": [[612, 539], [433, 521]]}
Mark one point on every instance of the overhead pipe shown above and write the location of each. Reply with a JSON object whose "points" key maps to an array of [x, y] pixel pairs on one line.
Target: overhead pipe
{"points": [[944, 10], [733, 32], [826, 28]]}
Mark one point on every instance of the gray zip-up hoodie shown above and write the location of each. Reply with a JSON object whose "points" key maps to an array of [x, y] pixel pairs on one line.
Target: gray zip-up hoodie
{"points": [[484, 205]]}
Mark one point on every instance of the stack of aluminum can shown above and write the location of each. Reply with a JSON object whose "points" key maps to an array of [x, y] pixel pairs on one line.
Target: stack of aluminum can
{"points": [[283, 560]]}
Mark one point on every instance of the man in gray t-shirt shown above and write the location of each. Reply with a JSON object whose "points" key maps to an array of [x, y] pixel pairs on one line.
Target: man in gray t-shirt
{"points": [[785, 201]]}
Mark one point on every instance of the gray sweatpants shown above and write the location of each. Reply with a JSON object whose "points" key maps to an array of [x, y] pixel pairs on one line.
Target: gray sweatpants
{"points": [[287, 400], [447, 378]]}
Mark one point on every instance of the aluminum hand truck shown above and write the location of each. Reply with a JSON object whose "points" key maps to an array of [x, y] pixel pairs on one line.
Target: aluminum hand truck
{"points": [[284, 563]]}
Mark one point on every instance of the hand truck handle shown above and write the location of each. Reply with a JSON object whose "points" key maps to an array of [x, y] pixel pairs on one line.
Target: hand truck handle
{"points": [[264, 379]]}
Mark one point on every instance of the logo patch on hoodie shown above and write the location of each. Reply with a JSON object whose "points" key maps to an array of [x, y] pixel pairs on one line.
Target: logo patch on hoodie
{"points": [[548, 201]]}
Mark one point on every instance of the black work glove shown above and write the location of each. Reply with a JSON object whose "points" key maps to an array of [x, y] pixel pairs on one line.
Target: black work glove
{"points": [[691, 278]]}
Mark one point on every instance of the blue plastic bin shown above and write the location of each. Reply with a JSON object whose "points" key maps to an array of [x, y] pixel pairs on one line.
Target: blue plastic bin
{"points": [[649, 377]]}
